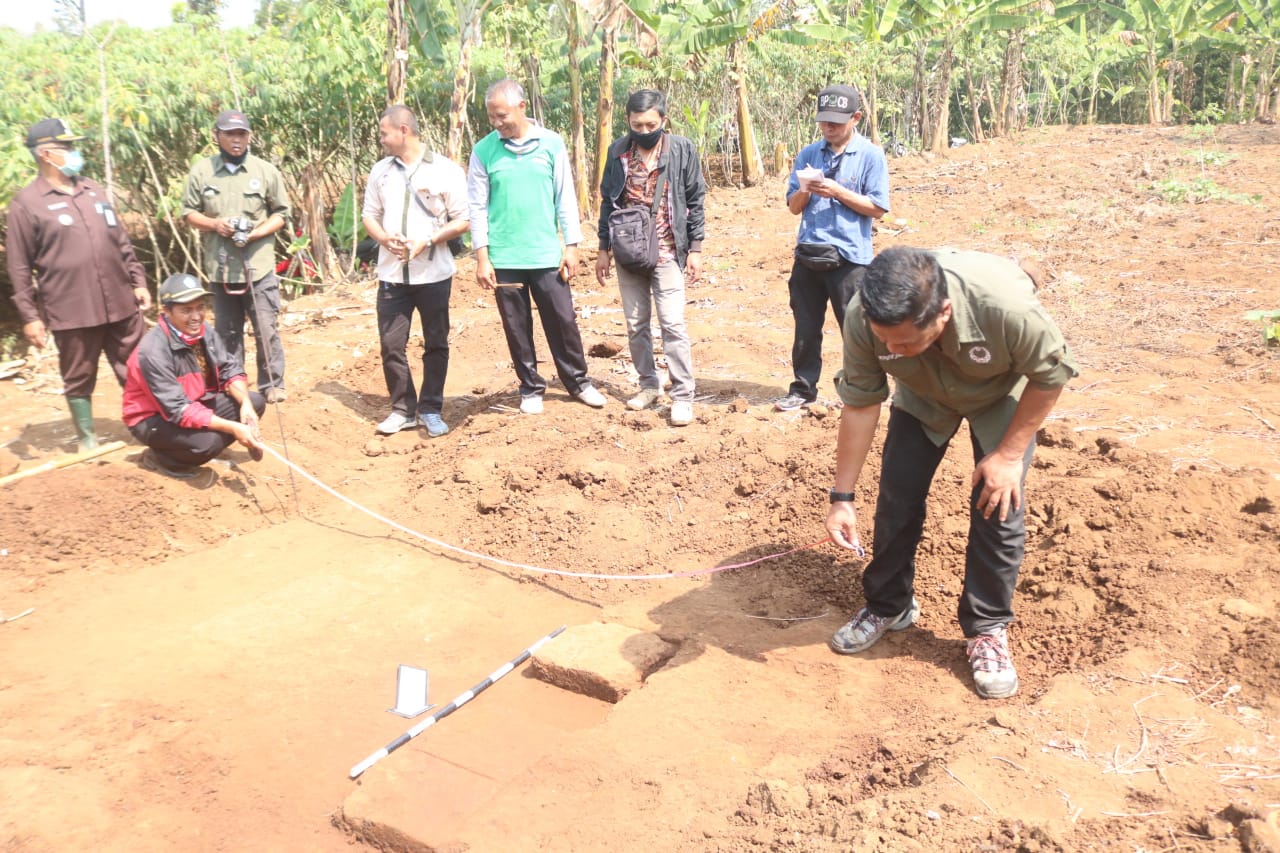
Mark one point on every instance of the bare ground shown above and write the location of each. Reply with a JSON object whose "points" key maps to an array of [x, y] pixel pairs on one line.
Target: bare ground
{"points": [[201, 667]]}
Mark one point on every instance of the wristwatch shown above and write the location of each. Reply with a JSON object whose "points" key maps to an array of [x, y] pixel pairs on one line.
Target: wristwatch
{"points": [[840, 497]]}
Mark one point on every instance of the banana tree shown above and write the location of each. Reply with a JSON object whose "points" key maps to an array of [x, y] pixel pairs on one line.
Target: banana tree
{"points": [[432, 25], [939, 24], [577, 145], [1009, 113], [1257, 25], [611, 17], [694, 29], [1163, 29], [397, 51]]}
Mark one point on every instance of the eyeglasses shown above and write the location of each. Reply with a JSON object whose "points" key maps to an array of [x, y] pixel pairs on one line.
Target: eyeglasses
{"points": [[833, 166]]}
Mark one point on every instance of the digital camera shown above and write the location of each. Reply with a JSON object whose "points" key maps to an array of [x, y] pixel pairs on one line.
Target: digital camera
{"points": [[242, 228]]}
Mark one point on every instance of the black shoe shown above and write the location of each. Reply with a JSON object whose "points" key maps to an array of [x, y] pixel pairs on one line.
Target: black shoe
{"points": [[152, 462]]}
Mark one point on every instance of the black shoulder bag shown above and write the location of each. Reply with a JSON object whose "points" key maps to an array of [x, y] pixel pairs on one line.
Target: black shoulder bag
{"points": [[633, 233]]}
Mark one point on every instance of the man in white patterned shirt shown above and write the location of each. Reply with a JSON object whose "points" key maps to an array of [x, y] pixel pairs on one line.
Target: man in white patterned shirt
{"points": [[415, 203]]}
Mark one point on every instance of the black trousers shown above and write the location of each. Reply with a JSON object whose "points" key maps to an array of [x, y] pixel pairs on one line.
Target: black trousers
{"points": [[396, 304], [810, 293], [179, 447], [555, 307], [995, 548]]}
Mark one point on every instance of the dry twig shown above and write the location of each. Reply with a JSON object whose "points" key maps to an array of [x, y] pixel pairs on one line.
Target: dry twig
{"points": [[1268, 423], [1137, 814], [967, 788], [1010, 763], [1118, 767]]}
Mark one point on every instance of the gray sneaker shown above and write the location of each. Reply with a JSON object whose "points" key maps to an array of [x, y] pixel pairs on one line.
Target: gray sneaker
{"points": [[791, 402], [433, 423], [864, 630], [993, 672], [646, 398]]}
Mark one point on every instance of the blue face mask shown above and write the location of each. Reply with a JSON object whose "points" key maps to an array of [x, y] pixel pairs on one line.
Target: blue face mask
{"points": [[72, 163]]}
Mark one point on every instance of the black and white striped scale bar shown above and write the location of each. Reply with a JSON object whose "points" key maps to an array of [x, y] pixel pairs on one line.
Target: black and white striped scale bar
{"points": [[452, 706]]}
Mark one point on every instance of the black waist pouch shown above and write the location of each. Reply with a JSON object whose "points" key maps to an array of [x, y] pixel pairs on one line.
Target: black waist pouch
{"points": [[818, 257]]}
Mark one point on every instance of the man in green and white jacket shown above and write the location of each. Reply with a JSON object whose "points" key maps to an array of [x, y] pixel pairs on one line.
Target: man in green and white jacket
{"points": [[525, 231]]}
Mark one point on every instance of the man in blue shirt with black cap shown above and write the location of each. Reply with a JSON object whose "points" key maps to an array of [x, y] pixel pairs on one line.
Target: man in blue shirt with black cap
{"points": [[838, 186]]}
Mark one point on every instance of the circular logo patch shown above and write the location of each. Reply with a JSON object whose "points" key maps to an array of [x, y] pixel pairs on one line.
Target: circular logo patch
{"points": [[66, 219], [255, 184], [980, 355]]}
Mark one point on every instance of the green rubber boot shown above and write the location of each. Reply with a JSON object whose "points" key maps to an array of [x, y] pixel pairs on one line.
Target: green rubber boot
{"points": [[82, 415]]}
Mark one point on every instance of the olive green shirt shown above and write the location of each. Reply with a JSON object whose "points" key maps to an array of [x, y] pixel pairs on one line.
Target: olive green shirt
{"points": [[998, 339], [255, 191]]}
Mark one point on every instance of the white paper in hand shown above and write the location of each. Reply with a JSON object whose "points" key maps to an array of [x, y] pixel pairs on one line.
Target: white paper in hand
{"points": [[808, 177]]}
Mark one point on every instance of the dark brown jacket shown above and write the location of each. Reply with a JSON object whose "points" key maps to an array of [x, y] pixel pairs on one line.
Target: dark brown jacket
{"points": [[70, 259]]}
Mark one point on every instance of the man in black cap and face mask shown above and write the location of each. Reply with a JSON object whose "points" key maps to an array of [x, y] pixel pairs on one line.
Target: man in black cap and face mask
{"points": [[73, 270], [238, 202]]}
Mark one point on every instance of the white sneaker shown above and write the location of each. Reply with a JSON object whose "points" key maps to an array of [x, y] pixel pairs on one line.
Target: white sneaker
{"points": [[993, 672], [681, 413], [589, 395], [531, 404], [394, 423], [646, 398]]}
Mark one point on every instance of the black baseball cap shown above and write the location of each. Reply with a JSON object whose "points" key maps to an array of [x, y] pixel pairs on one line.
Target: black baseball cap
{"points": [[231, 120], [50, 130], [838, 103], [181, 287]]}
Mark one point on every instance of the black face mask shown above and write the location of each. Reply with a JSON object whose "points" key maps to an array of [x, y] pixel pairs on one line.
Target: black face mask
{"points": [[647, 140], [234, 161]]}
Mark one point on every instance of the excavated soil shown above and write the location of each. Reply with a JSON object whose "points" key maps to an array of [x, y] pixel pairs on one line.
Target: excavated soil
{"points": [[201, 667]]}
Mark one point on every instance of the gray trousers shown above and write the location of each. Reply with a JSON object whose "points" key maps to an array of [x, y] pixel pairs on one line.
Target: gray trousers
{"points": [[663, 290], [229, 312]]}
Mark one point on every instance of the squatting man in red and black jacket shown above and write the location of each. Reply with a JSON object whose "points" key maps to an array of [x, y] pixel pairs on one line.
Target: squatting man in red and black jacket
{"points": [[187, 397]]}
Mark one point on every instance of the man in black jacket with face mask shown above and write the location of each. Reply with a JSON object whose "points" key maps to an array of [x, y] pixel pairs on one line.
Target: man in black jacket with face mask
{"points": [[645, 163]]}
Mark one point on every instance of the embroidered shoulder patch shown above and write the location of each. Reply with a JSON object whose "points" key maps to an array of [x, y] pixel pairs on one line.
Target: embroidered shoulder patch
{"points": [[980, 355]]}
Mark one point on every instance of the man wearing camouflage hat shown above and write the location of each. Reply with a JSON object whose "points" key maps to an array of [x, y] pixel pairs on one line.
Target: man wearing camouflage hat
{"points": [[73, 269], [187, 397], [238, 202]]}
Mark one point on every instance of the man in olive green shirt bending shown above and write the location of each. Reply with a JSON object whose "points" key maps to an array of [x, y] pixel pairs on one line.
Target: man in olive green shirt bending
{"points": [[965, 338], [238, 202]]}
